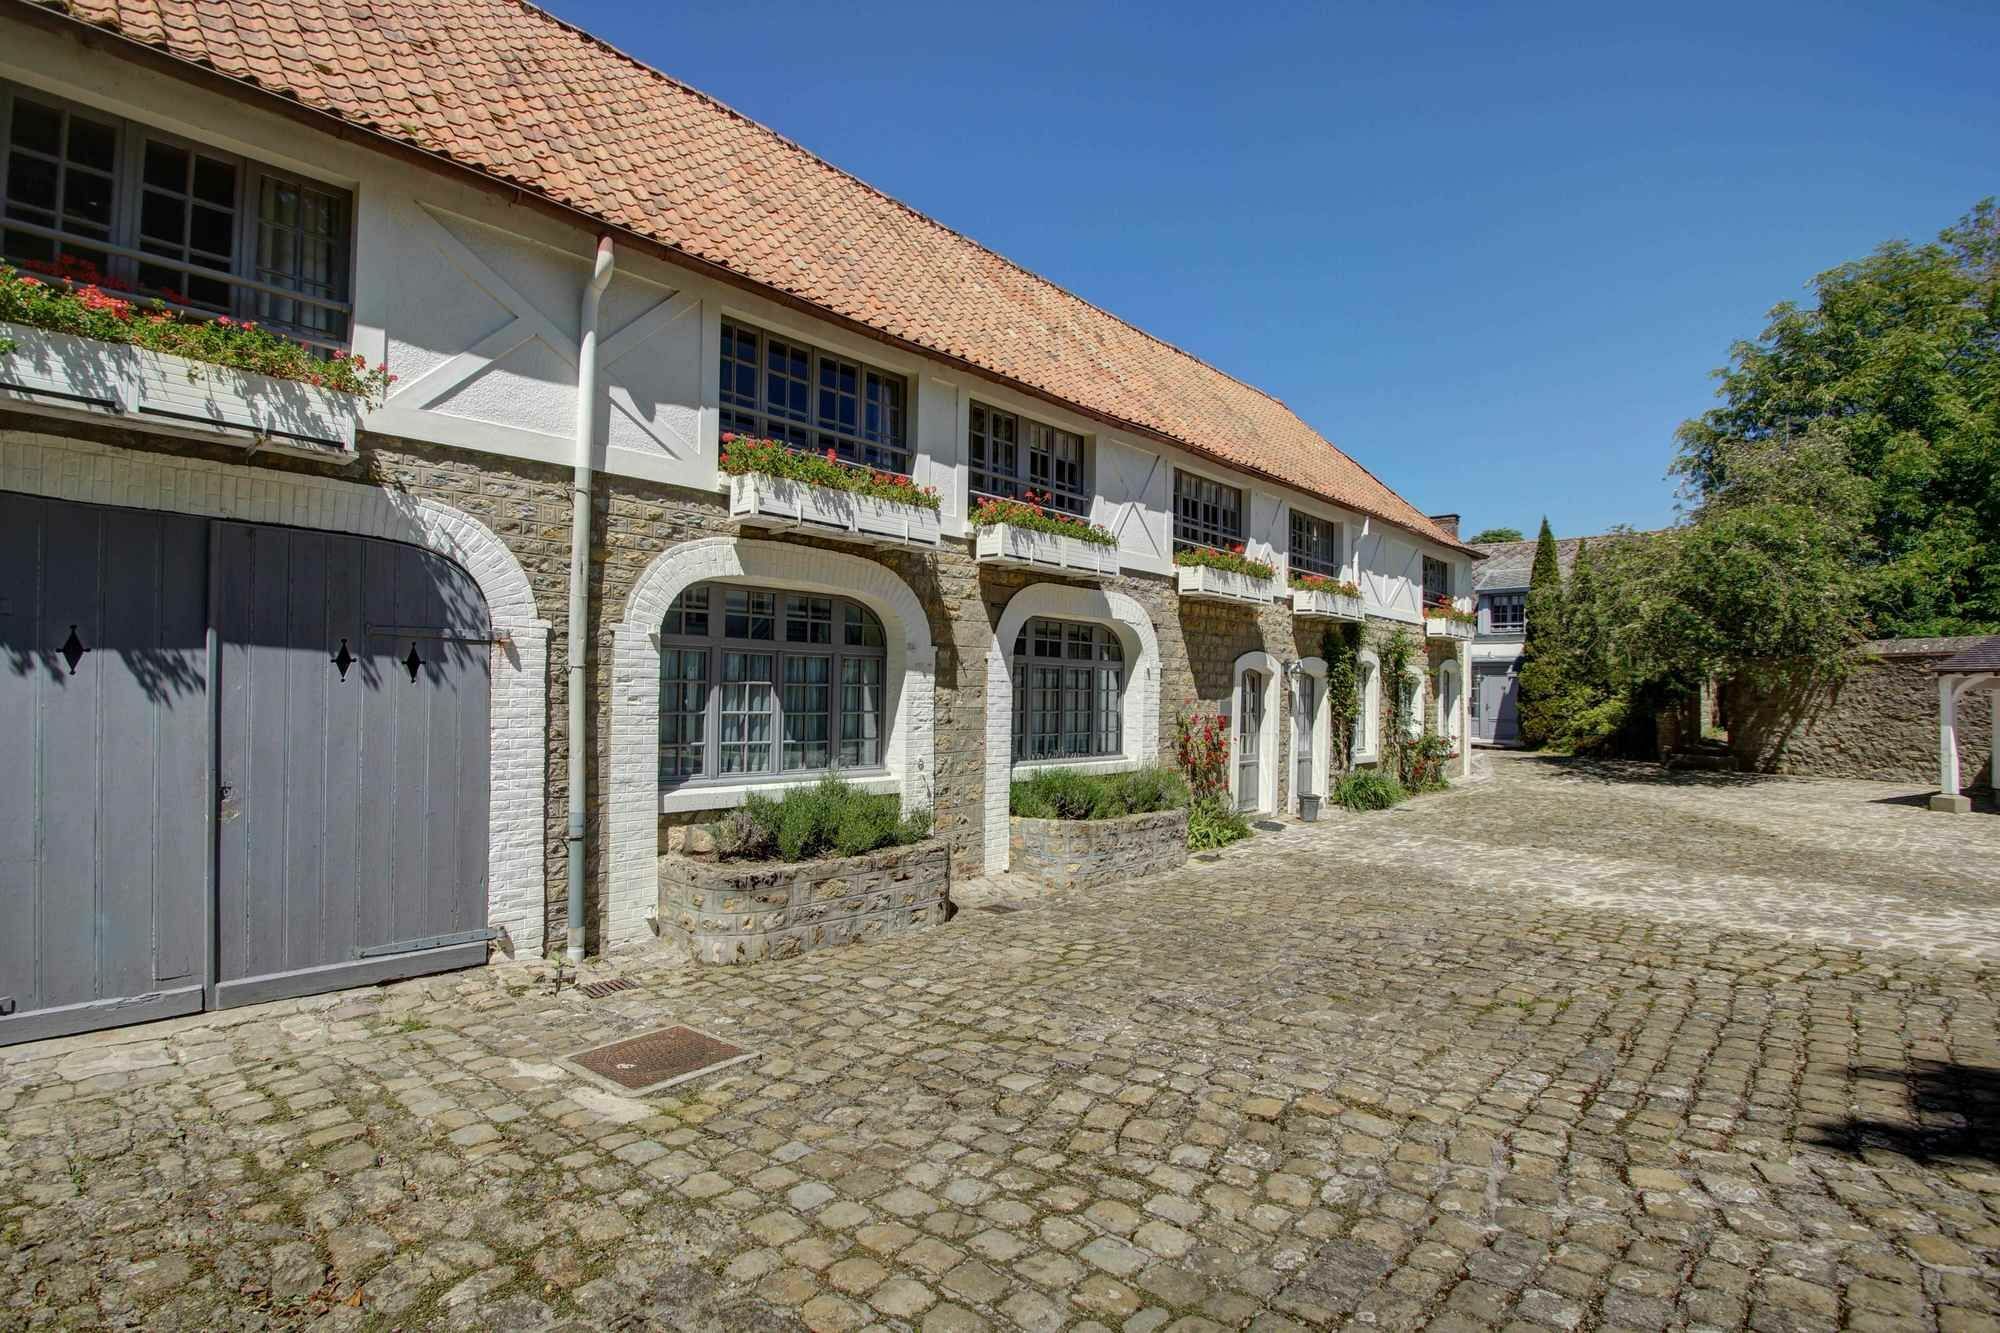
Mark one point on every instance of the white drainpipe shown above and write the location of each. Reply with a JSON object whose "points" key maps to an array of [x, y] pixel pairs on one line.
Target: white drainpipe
{"points": [[579, 579]]}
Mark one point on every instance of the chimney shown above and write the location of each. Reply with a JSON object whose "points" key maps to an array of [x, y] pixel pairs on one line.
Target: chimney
{"points": [[1449, 522]]}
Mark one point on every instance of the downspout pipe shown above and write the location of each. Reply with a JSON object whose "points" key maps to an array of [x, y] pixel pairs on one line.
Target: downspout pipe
{"points": [[579, 579]]}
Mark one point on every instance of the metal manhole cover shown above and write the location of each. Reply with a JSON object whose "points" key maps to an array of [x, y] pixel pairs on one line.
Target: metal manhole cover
{"points": [[597, 990], [659, 1059]]}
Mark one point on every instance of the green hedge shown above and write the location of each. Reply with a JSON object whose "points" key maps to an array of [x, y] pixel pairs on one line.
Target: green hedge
{"points": [[1062, 793], [831, 817]]}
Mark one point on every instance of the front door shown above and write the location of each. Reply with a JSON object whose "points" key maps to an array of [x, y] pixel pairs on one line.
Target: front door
{"points": [[1305, 720], [1249, 739], [1493, 715]]}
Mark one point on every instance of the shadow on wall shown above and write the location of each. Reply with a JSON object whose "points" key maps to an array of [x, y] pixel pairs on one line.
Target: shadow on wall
{"points": [[1879, 724], [1953, 1114]]}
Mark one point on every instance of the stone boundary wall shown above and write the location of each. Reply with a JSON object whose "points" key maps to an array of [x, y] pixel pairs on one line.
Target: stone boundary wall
{"points": [[1078, 853], [1880, 724], [740, 912]]}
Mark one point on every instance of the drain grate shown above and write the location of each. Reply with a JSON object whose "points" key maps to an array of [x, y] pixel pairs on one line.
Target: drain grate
{"points": [[658, 1059], [998, 907], [597, 990]]}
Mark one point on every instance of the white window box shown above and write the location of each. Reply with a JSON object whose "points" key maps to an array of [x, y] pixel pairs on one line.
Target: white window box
{"points": [[1441, 627], [1025, 548], [1318, 604], [1205, 584], [758, 501], [66, 375]]}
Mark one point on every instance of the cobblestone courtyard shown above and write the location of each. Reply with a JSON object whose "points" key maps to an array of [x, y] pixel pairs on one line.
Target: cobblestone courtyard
{"points": [[1573, 1047]]}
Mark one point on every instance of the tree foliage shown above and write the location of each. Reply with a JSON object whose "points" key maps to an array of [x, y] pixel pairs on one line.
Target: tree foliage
{"points": [[1894, 369], [1498, 535]]}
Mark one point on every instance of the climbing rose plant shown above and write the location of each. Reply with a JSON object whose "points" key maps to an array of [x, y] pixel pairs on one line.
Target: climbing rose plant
{"points": [[745, 454], [1201, 749], [76, 299]]}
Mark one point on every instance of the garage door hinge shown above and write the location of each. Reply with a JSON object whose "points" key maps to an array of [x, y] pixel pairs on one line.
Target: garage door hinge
{"points": [[429, 942]]}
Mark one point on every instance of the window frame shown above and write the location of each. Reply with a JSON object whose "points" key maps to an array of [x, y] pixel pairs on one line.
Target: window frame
{"points": [[125, 252], [1192, 534], [717, 642], [984, 479], [810, 433], [1336, 536], [1101, 714], [1443, 567], [1518, 601]]}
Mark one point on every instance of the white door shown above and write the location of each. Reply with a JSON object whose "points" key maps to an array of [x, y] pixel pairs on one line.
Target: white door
{"points": [[1305, 724]]}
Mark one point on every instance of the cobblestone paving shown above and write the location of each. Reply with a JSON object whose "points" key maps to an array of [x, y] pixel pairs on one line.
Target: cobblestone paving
{"points": [[1574, 1047]]}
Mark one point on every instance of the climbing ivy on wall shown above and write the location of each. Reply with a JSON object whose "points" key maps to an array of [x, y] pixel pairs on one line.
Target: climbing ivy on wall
{"points": [[1341, 650]]}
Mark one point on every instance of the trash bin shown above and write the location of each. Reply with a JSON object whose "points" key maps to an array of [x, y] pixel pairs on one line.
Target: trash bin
{"points": [[1308, 808]]}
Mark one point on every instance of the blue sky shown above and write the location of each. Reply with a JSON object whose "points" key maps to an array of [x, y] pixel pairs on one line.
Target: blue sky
{"points": [[1492, 251]]}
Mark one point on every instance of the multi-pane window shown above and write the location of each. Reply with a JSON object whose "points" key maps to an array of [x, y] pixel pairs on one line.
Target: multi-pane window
{"points": [[1069, 691], [1506, 612], [779, 388], [1315, 545], [1437, 581], [758, 682], [1011, 454], [1206, 513], [155, 215]]}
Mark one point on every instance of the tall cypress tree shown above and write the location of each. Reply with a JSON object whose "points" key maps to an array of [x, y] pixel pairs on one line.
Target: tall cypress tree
{"points": [[1541, 683]]}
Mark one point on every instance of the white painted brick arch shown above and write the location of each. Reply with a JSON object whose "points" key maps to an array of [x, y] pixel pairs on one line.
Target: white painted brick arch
{"points": [[634, 780], [1064, 601], [65, 469]]}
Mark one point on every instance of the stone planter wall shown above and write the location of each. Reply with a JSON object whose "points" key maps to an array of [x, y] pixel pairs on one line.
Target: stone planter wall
{"points": [[740, 912], [1076, 853]]}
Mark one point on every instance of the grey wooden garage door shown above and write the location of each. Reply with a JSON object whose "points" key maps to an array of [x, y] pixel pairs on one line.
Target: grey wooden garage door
{"points": [[104, 766], [241, 762]]}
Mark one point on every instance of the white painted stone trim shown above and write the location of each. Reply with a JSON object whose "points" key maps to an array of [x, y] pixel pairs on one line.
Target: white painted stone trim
{"points": [[1267, 734], [69, 469], [1452, 719], [632, 789], [1141, 722], [728, 795]]}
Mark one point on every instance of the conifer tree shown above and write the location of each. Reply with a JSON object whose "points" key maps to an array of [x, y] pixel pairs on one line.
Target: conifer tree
{"points": [[1542, 667]]}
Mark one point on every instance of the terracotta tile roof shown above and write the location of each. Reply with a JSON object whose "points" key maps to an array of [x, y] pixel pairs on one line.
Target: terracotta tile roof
{"points": [[508, 90]]}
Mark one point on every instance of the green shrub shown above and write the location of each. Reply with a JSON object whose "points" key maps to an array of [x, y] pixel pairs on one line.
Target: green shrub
{"points": [[1367, 789], [829, 817], [1423, 762], [1214, 823], [1064, 793]]}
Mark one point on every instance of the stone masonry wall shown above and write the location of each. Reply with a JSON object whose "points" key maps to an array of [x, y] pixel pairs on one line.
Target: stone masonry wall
{"points": [[1880, 724], [743, 912], [1075, 853]]}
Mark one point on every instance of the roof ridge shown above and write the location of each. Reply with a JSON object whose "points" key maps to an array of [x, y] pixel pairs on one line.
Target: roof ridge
{"points": [[911, 209]]}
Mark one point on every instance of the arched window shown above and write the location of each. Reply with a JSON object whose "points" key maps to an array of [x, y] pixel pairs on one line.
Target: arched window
{"points": [[1069, 691], [759, 682]]}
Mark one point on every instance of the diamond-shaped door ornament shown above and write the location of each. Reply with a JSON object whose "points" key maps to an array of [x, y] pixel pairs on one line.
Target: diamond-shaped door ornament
{"points": [[343, 659], [413, 662], [73, 650]]}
